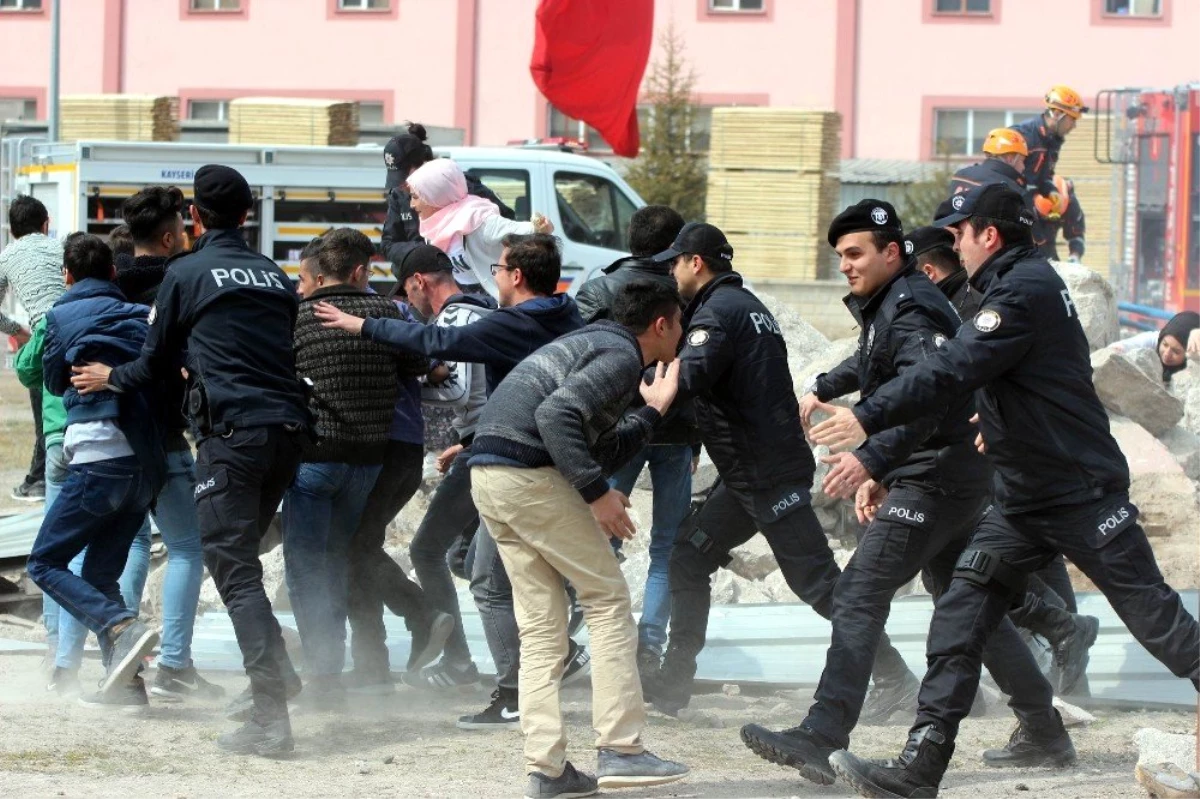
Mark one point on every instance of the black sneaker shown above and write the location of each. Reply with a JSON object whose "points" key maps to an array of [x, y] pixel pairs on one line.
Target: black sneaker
{"points": [[241, 706], [429, 639], [175, 685], [501, 714], [884, 701], [30, 492], [569, 783], [799, 748], [127, 697], [443, 677], [259, 738], [576, 620], [578, 664], [64, 683], [1023, 750], [133, 643]]}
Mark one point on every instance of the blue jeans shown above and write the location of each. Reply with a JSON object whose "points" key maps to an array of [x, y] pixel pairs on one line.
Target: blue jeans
{"points": [[671, 475], [100, 506], [175, 515], [321, 512]]}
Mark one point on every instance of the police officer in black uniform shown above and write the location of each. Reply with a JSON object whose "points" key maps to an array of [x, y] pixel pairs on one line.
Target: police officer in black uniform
{"points": [[225, 313], [926, 478], [931, 250], [734, 365], [1062, 486]]}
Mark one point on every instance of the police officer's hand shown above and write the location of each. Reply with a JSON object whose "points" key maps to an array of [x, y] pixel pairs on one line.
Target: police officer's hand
{"points": [[447, 457], [331, 317], [808, 404], [659, 393], [90, 377], [845, 475], [841, 431], [1193, 344], [609, 512], [980, 444], [867, 500]]}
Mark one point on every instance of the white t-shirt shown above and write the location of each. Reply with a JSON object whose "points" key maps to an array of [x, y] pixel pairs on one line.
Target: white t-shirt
{"points": [[88, 442]]}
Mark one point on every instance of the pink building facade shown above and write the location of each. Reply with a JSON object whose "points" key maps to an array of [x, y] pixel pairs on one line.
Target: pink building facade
{"points": [[912, 78]]}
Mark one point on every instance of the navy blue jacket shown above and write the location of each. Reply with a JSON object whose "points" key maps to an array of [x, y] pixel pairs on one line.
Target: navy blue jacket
{"points": [[499, 341], [92, 321]]}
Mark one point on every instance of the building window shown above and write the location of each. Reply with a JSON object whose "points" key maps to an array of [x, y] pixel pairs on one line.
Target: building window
{"points": [[370, 113], [1133, 8], [215, 5], [364, 5], [208, 110], [20, 5], [961, 131], [962, 6], [696, 137], [20, 108], [735, 5], [564, 126]]}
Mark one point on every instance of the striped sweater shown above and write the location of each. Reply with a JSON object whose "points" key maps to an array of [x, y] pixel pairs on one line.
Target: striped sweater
{"points": [[354, 380], [32, 267]]}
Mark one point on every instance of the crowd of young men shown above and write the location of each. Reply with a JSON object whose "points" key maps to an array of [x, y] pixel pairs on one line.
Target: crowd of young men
{"points": [[315, 401]]}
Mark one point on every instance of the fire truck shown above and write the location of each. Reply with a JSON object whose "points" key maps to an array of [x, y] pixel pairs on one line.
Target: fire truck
{"points": [[1152, 137], [300, 192]]}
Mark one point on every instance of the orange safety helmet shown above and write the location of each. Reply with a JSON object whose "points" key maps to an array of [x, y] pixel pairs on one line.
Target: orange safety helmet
{"points": [[1002, 141], [1054, 206], [1067, 100]]}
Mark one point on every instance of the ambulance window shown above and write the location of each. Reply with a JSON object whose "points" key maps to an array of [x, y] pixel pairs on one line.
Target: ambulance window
{"points": [[510, 185], [593, 210]]}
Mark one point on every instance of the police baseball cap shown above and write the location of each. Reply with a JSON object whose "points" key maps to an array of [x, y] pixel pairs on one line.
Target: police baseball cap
{"points": [[923, 239], [422, 259], [945, 208], [871, 215], [699, 238], [399, 155], [993, 200], [222, 190]]}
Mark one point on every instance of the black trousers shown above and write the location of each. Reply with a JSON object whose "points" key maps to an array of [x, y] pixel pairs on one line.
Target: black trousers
{"points": [[916, 531], [240, 479], [800, 547], [375, 579], [1105, 542], [37, 464]]}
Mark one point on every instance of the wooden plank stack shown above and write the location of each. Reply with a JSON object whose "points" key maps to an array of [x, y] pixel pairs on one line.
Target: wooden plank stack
{"points": [[773, 187], [119, 117], [293, 120], [1100, 189]]}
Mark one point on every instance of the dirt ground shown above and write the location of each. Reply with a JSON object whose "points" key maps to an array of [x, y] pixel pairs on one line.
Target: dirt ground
{"points": [[408, 746]]}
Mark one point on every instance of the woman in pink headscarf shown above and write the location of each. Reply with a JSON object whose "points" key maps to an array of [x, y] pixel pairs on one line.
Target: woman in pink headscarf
{"points": [[467, 228]]}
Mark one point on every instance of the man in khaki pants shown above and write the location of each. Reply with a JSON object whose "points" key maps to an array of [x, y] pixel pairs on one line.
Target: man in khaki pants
{"points": [[545, 444]]}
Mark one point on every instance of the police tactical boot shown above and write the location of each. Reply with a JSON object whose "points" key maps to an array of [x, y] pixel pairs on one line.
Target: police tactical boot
{"points": [[800, 748], [130, 641], [259, 736], [915, 774], [429, 636], [617, 770], [670, 690], [1071, 651], [648, 662], [1023, 750], [128, 698], [887, 699], [568, 784]]}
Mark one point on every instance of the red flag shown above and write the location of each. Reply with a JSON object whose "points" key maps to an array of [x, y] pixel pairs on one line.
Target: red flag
{"points": [[588, 61]]}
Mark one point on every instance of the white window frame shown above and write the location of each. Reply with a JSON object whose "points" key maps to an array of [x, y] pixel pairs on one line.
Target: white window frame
{"points": [[1011, 117], [734, 7], [27, 104], [1133, 12], [22, 5], [222, 110], [219, 6], [373, 104], [363, 5]]}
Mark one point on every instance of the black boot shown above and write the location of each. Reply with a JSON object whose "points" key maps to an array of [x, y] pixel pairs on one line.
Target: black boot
{"points": [[1024, 749], [885, 699], [649, 663], [915, 774], [670, 689], [268, 732], [1071, 636], [800, 748]]}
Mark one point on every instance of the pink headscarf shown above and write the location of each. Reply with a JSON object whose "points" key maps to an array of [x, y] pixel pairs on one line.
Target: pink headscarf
{"points": [[442, 184]]}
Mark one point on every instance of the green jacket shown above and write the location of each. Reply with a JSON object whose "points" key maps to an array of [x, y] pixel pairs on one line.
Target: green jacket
{"points": [[29, 372]]}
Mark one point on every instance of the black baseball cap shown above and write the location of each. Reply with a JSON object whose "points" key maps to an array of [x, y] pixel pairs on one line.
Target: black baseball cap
{"points": [[699, 238], [869, 215], [400, 154], [924, 239], [422, 259], [993, 200], [945, 208], [222, 190]]}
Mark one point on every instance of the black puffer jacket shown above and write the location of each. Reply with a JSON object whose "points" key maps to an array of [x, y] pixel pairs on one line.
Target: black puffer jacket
{"points": [[957, 288], [904, 323], [402, 229], [595, 299], [734, 366]]}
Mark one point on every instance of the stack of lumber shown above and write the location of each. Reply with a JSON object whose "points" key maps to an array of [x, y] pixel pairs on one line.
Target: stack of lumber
{"points": [[291, 120], [773, 187], [1100, 189], [119, 117]]}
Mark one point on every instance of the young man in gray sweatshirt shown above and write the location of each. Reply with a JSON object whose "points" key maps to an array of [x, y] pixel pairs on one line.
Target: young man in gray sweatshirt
{"points": [[548, 439]]}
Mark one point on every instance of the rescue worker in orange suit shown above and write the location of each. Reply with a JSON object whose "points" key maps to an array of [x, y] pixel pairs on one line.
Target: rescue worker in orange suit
{"points": [[1063, 213]]}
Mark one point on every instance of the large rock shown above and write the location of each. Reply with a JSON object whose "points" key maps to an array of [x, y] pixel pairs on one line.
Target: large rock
{"points": [[754, 559], [1158, 485], [1126, 390], [1094, 301], [804, 342], [1184, 446], [1145, 360], [828, 358], [1185, 386]]}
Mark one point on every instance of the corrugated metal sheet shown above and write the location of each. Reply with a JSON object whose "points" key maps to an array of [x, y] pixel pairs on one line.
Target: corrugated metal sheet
{"points": [[885, 170], [17, 534]]}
